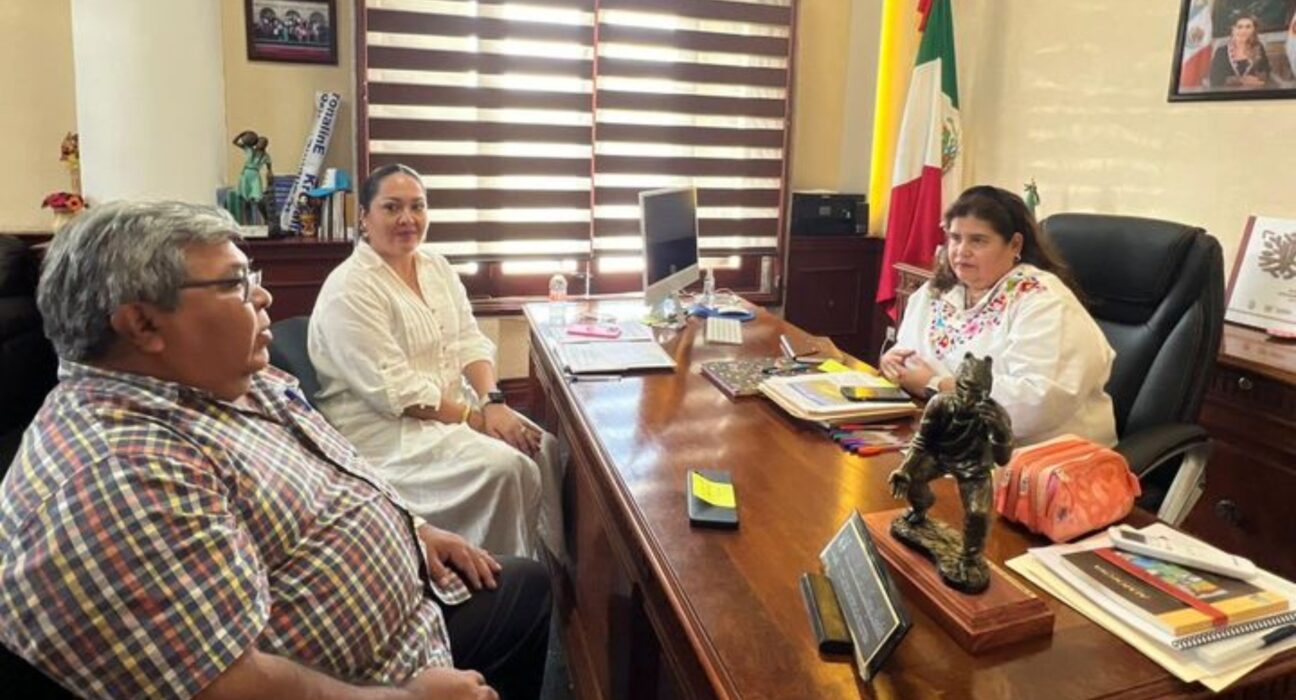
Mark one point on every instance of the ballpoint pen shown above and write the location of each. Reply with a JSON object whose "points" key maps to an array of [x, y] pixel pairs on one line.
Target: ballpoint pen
{"points": [[878, 434], [873, 450], [868, 426], [594, 378]]}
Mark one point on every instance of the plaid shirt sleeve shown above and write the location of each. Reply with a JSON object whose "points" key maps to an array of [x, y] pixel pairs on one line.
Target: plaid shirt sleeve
{"points": [[157, 587]]}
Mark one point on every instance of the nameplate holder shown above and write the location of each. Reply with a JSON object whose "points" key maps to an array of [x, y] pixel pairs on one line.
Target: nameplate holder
{"points": [[873, 611]]}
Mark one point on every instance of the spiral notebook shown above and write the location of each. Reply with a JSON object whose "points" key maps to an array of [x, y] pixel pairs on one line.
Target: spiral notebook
{"points": [[1238, 630]]}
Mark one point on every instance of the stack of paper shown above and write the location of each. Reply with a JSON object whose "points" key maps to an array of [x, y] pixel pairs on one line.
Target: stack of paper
{"points": [[818, 397], [1170, 634]]}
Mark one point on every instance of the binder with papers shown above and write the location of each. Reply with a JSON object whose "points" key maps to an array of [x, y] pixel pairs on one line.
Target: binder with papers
{"points": [[613, 356], [817, 396]]}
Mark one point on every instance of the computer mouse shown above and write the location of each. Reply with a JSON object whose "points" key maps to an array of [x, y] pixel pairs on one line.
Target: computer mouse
{"points": [[730, 310]]}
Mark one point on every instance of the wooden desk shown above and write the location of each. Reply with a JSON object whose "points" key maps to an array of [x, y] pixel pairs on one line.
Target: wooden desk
{"points": [[654, 609]]}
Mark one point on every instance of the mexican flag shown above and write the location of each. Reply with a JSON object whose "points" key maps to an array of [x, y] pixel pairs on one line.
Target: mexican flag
{"points": [[1196, 47], [929, 154]]}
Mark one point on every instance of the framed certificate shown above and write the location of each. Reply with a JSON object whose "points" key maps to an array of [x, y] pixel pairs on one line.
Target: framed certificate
{"points": [[1262, 289]]}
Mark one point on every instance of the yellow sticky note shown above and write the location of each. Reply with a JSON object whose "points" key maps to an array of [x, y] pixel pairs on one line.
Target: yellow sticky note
{"points": [[833, 366], [715, 493]]}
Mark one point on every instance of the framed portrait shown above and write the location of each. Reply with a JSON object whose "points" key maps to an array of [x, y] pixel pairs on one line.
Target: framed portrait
{"points": [[293, 31], [1234, 50]]}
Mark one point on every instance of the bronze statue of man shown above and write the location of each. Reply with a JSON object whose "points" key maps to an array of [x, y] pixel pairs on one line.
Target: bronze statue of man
{"points": [[964, 433]]}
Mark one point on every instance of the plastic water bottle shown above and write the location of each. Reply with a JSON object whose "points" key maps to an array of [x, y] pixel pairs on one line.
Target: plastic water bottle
{"points": [[708, 289], [558, 300]]}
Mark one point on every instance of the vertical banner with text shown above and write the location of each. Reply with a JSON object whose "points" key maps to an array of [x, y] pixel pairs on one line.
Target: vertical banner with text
{"points": [[317, 143]]}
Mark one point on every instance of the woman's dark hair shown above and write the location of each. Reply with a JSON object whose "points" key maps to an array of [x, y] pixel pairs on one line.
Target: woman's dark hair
{"points": [[369, 189], [1007, 214], [1254, 46]]}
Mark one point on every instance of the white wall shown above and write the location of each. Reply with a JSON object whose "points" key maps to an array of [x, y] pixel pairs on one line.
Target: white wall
{"points": [[277, 100], [37, 91], [1073, 94], [150, 98]]}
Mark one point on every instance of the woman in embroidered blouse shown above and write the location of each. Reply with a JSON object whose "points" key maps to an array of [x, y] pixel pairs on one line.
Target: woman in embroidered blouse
{"points": [[408, 377], [1241, 62], [1001, 290]]}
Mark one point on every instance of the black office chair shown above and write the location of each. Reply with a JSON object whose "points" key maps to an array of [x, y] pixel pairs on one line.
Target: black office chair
{"points": [[20, 679], [1156, 289], [288, 352]]}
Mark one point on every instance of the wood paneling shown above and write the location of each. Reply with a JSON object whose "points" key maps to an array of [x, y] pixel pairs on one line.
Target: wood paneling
{"points": [[293, 269], [831, 287]]}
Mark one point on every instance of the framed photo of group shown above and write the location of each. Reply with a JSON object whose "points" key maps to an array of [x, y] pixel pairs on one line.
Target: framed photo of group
{"points": [[293, 31], [1234, 50]]}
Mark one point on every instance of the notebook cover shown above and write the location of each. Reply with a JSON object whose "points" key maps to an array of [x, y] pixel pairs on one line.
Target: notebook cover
{"points": [[1238, 600]]}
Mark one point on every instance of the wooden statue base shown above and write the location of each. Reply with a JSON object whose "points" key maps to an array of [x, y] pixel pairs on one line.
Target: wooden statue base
{"points": [[1007, 612]]}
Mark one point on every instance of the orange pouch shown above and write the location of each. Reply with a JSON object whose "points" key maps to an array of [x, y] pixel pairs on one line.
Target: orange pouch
{"points": [[1065, 487]]}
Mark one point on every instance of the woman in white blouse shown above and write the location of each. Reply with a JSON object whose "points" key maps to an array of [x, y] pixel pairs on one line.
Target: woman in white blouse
{"points": [[1001, 290], [408, 377]]}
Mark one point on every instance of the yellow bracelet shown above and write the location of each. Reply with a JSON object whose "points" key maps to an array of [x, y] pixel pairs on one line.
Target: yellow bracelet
{"points": [[467, 412]]}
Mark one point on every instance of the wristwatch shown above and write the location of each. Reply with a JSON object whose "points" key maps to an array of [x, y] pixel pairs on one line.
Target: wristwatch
{"points": [[495, 396], [932, 388]]}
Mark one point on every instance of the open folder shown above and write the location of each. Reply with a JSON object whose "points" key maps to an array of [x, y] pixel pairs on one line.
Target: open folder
{"points": [[817, 397], [613, 356]]}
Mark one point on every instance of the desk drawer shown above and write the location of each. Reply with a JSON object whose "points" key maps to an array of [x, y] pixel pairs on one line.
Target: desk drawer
{"points": [[1251, 409], [1246, 508]]}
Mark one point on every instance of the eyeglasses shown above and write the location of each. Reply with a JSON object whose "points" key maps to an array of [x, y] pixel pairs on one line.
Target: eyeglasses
{"points": [[249, 280]]}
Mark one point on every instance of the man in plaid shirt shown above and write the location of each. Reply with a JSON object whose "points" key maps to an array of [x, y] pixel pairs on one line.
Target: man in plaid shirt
{"points": [[179, 522]]}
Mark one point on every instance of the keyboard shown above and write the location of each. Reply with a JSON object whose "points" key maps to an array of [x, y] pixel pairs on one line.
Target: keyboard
{"points": [[723, 330]]}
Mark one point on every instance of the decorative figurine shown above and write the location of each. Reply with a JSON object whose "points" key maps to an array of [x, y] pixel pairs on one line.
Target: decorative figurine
{"points": [[251, 190], [66, 205], [309, 216], [70, 153], [1032, 197], [964, 433]]}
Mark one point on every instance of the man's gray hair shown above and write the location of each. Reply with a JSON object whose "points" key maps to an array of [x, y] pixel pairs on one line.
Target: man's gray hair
{"points": [[119, 253]]}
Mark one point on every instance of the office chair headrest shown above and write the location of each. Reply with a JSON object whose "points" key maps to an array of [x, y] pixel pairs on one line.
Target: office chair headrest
{"points": [[1126, 265]]}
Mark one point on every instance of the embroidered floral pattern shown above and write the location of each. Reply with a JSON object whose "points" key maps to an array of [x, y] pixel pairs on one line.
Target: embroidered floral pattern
{"points": [[952, 327]]}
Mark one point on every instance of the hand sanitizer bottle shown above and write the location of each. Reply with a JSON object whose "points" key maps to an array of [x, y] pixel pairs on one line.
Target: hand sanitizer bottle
{"points": [[558, 300], [708, 289]]}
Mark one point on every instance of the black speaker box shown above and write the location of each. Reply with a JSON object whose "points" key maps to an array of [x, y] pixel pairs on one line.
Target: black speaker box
{"points": [[829, 214]]}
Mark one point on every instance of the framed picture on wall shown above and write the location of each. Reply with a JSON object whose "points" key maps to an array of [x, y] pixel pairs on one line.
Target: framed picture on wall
{"points": [[1234, 50], [293, 31]]}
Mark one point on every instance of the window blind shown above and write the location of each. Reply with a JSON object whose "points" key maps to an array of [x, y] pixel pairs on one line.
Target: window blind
{"points": [[491, 102], [537, 124], [691, 92]]}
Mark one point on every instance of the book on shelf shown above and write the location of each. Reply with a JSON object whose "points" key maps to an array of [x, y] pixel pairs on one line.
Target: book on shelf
{"points": [[817, 396]]}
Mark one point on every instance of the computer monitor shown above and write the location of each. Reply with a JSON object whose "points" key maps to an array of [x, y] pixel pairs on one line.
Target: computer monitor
{"points": [[668, 221]]}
